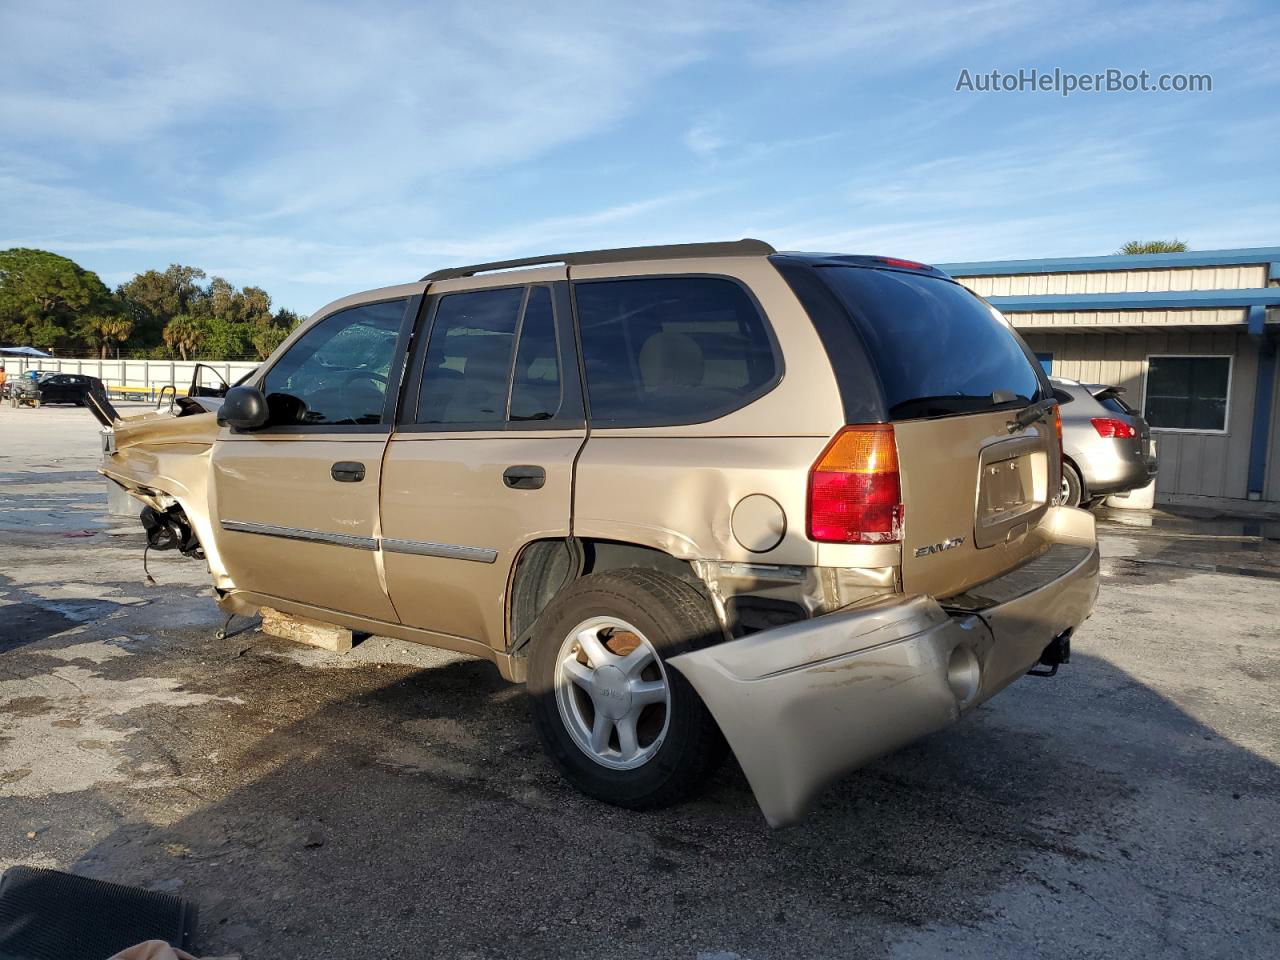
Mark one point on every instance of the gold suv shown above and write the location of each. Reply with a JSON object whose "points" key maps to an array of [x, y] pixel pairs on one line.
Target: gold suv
{"points": [[697, 496]]}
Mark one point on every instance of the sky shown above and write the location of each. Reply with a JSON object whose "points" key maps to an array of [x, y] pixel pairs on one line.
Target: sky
{"points": [[317, 149]]}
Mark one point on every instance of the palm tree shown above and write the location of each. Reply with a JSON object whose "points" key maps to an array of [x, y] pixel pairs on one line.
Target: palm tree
{"points": [[183, 333], [102, 329], [1153, 246]]}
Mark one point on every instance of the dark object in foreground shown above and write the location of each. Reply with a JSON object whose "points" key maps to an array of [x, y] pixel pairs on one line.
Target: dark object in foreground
{"points": [[50, 915]]}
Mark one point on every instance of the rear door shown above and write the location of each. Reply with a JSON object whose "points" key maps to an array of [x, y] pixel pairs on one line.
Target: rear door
{"points": [[481, 462], [297, 501], [954, 375]]}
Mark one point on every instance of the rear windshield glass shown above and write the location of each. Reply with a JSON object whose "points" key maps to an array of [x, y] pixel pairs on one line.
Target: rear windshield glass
{"points": [[1115, 404], [938, 349]]}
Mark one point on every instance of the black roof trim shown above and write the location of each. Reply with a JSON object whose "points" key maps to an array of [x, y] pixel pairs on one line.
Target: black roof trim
{"points": [[675, 251]]}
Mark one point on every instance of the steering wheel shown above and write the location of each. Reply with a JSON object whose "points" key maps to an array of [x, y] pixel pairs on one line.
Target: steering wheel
{"points": [[358, 400]]}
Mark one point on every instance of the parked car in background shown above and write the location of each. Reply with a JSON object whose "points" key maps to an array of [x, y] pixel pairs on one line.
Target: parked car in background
{"points": [[68, 388], [1106, 445], [688, 494]]}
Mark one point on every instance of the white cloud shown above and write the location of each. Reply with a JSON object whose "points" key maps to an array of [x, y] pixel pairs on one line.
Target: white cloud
{"points": [[331, 105], [704, 139], [316, 147]]}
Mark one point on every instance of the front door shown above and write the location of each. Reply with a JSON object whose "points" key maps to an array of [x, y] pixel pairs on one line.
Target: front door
{"points": [[481, 463], [297, 501]]}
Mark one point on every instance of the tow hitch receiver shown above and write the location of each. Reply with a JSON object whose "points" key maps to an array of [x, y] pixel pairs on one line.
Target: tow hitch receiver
{"points": [[1055, 654]]}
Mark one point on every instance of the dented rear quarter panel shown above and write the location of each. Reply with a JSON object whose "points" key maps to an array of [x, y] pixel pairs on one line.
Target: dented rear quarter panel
{"points": [[674, 488]]}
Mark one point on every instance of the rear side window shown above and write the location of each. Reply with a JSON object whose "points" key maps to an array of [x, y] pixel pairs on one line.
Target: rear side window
{"points": [[468, 365], [670, 350], [493, 356], [938, 349], [535, 382]]}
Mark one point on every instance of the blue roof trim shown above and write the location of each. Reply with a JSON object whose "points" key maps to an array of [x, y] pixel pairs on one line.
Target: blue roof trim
{"points": [[1146, 261], [1168, 300]]}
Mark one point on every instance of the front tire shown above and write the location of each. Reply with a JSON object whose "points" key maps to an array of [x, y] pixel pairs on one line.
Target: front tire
{"points": [[616, 719]]}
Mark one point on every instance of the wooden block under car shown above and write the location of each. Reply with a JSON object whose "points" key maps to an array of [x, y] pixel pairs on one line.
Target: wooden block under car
{"points": [[312, 632]]}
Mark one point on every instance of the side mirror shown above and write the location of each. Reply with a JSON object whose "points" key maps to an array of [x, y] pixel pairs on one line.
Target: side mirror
{"points": [[244, 408]]}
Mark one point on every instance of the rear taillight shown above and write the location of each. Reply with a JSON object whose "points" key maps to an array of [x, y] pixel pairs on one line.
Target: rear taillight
{"points": [[1108, 427], [854, 492], [1057, 426]]}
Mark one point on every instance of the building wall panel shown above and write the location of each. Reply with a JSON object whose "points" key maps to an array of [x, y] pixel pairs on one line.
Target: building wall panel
{"points": [[1214, 465]]}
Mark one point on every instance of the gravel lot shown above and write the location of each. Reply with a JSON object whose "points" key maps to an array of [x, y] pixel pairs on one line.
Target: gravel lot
{"points": [[393, 802]]}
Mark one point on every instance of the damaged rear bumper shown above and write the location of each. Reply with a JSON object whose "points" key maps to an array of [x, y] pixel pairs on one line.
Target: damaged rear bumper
{"points": [[804, 703]]}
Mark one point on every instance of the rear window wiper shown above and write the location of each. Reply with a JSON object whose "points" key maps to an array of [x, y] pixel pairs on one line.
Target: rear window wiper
{"points": [[950, 404], [1029, 415]]}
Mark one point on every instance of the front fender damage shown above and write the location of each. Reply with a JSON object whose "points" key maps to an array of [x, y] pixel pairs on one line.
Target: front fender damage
{"points": [[163, 462]]}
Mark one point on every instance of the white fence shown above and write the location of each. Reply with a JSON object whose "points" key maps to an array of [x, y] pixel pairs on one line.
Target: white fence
{"points": [[150, 375]]}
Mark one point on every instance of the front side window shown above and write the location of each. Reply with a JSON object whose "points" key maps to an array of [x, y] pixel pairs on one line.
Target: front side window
{"points": [[1187, 393], [664, 350], [336, 373]]}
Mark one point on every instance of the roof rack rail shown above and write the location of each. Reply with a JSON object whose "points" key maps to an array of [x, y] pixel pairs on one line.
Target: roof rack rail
{"points": [[673, 251]]}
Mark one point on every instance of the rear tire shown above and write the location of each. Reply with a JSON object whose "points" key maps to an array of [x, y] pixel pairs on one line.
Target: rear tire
{"points": [[1072, 486], [585, 667]]}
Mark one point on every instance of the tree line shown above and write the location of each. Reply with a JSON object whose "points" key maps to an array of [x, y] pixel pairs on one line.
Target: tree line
{"points": [[51, 302]]}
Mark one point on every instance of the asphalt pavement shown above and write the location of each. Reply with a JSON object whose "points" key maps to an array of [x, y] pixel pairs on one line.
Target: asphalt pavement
{"points": [[393, 802]]}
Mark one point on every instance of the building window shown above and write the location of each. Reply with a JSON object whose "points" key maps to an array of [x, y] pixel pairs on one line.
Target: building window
{"points": [[1188, 393], [1046, 363]]}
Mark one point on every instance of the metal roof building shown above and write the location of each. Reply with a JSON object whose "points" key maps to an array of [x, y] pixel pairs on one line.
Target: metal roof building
{"points": [[1191, 336]]}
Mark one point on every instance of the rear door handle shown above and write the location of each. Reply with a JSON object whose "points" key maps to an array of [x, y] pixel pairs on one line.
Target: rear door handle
{"points": [[347, 471], [524, 477]]}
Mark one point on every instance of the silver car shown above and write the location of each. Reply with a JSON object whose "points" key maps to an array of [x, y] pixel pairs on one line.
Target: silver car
{"points": [[1106, 445]]}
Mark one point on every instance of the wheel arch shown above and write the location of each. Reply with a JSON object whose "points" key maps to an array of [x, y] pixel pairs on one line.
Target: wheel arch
{"points": [[1070, 461], [544, 568]]}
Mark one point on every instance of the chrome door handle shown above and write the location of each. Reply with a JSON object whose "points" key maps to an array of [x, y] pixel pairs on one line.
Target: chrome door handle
{"points": [[524, 477], [347, 471]]}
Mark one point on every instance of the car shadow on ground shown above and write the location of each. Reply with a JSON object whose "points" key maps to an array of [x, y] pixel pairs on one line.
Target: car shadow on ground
{"points": [[418, 817]]}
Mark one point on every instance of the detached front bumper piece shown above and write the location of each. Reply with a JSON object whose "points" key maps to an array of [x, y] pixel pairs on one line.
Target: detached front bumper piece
{"points": [[805, 703]]}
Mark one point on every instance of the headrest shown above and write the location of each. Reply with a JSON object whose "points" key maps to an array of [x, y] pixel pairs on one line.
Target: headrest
{"points": [[671, 360]]}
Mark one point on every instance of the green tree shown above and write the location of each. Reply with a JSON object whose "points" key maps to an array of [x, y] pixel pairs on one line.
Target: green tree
{"points": [[266, 339], [155, 297], [1153, 246], [255, 307], [184, 334], [103, 328], [43, 296], [267, 336], [223, 338]]}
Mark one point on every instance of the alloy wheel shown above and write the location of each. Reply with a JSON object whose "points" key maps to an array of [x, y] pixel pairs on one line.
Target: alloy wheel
{"points": [[612, 692]]}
